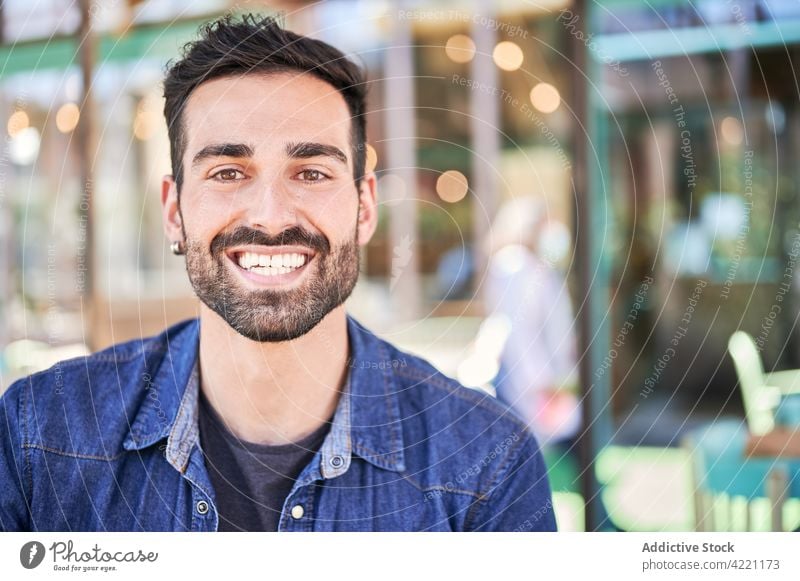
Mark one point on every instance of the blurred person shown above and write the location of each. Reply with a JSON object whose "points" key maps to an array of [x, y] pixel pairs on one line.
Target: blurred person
{"points": [[274, 410], [526, 288]]}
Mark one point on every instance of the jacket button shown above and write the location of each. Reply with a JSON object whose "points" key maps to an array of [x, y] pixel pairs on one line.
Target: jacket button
{"points": [[298, 512], [337, 461], [202, 507]]}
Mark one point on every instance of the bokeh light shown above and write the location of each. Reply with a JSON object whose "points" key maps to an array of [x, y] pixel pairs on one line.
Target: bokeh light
{"points": [[545, 97], [508, 56], [67, 117], [452, 186], [460, 48], [18, 121]]}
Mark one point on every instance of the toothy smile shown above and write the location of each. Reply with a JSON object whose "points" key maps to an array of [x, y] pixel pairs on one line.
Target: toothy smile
{"points": [[270, 264]]}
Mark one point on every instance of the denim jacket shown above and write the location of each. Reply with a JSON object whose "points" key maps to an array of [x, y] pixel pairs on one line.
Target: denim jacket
{"points": [[110, 442]]}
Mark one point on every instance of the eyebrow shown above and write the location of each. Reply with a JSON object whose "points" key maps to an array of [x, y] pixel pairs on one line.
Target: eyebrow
{"points": [[301, 150], [222, 150], [306, 149]]}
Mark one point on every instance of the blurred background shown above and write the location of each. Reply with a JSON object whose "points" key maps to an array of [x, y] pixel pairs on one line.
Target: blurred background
{"points": [[581, 202]]}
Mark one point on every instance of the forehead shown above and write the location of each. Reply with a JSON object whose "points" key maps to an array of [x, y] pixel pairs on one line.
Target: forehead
{"points": [[266, 111]]}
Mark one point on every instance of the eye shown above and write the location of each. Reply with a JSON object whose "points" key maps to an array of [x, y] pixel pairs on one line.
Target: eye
{"points": [[228, 175], [312, 175]]}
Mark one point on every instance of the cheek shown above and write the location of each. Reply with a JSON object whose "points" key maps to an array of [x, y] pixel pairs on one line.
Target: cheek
{"points": [[339, 224], [205, 216]]}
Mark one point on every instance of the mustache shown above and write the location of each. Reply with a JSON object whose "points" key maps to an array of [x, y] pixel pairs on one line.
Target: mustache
{"points": [[296, 235]]}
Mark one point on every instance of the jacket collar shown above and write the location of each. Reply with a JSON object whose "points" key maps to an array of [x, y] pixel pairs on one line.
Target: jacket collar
{"points": [[376, 428], [169, 359], [367, 420]]}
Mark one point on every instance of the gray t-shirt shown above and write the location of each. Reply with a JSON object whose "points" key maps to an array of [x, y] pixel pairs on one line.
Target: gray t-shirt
{"points": [[251, 481]]}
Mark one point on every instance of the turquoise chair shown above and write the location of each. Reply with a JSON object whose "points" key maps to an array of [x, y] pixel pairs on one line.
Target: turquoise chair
{"points": [[737, 493]]}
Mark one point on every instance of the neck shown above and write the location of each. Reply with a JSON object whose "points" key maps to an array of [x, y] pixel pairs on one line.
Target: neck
{"points": [[273, 393]]}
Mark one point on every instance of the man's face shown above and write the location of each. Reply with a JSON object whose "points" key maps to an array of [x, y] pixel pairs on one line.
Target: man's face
{"points": [[269, 210]]}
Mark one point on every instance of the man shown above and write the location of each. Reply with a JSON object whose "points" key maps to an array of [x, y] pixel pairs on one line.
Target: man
{"points": [[274, 410], [539, 361]]}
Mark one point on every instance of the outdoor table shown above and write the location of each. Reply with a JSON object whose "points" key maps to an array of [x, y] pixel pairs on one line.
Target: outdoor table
{"points": [[782, 442]]}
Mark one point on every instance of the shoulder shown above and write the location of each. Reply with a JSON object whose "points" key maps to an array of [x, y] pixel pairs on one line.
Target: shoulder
{"points": [[84, 406], [426, 390], [469, 452], [457, 439]]}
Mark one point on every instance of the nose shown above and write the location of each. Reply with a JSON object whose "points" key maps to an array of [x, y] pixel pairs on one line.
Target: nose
{"points": [[274, 209]]}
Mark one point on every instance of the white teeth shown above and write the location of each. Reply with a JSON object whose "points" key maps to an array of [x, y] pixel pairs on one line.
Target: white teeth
{"points": [[270, 265], [248, 260]]}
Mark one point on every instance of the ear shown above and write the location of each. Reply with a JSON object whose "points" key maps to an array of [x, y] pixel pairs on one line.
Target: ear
{"points": [[368, 210], [171, 217]]}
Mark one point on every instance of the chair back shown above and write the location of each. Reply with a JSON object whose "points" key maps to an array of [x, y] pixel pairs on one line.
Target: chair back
{"points": [[760, 400]]}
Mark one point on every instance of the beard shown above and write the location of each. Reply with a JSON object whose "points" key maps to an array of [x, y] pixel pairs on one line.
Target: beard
{"points": [[268, 315]]}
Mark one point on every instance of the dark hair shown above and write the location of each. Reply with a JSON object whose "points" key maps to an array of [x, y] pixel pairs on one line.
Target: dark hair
{"points": [[257, 44]]}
